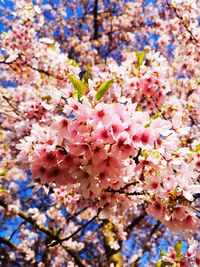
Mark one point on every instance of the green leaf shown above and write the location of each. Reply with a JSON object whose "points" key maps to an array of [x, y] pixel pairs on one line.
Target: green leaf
{"points": [[86, 76], [103, 88], [147, 125], [139, 58], [157, 115], [197, 149], [3, 190], [161, 263], [156, 155], [79, 86], [3, 172], [29, 8], [145, 153], [72, 62], [158, 263], [178, 249], [46, 98], [162, 253]]}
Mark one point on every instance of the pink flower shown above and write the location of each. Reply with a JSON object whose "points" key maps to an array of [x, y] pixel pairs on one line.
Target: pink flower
{"points": [[169, 182], [38, 171], [146, 137], [83, 111], [117, 184], [102, 114], [61, 126], [67, 162], [192, 249], [112, 163], [136, 138], [185, 263], [197, 258], [99, 154], [156, 210], [120, 112], [173, 224], [103, 134], [171, 257], [152, 183], [59, 176], [179, 213], [191, 223], [140, 119], [160, 126], [123, 147], [41, 162], [49, 159], [104, 180], [116, 126]]}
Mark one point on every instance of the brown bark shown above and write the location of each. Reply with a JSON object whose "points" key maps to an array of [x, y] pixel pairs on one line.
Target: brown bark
{"points": [[113, 255]]}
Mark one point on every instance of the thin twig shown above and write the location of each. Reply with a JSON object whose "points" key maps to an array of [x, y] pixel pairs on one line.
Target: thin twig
{"points": [[163, 115], [76, 214], [13, 108], [59, 241], [183, 22], [11, 236], [136, 158], [122, 191]]}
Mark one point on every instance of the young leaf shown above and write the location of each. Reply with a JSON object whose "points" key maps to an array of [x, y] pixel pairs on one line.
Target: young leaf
{"points": [[197, 149], [157, 115], [139, 58], [178, 249], [79, 86], [153, 118], [3, 190], [72, 62], [3, 172], [158, 263], [103, 88], [147, 125], [161, 263], [162, 253], [86, 76]]}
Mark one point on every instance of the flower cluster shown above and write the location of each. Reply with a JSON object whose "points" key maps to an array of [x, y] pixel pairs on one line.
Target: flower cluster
{"points": [[93, 146]]}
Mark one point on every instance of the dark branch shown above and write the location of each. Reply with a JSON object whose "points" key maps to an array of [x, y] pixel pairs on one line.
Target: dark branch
{"points": [[7, 243], [135, 222], [122, 191], [184, 23], [46, 231], [59, 241], [96, 26], [76, 214], [136, 158]]}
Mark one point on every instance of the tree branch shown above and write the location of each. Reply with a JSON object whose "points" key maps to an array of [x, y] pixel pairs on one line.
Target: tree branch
{"points": [[96, 26], [136, 158], [113, 255], [8, 243], [46, 231], [59, 241], [122, 191], [145, 247], [184, 23], [76, 214], [135, 222]]}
